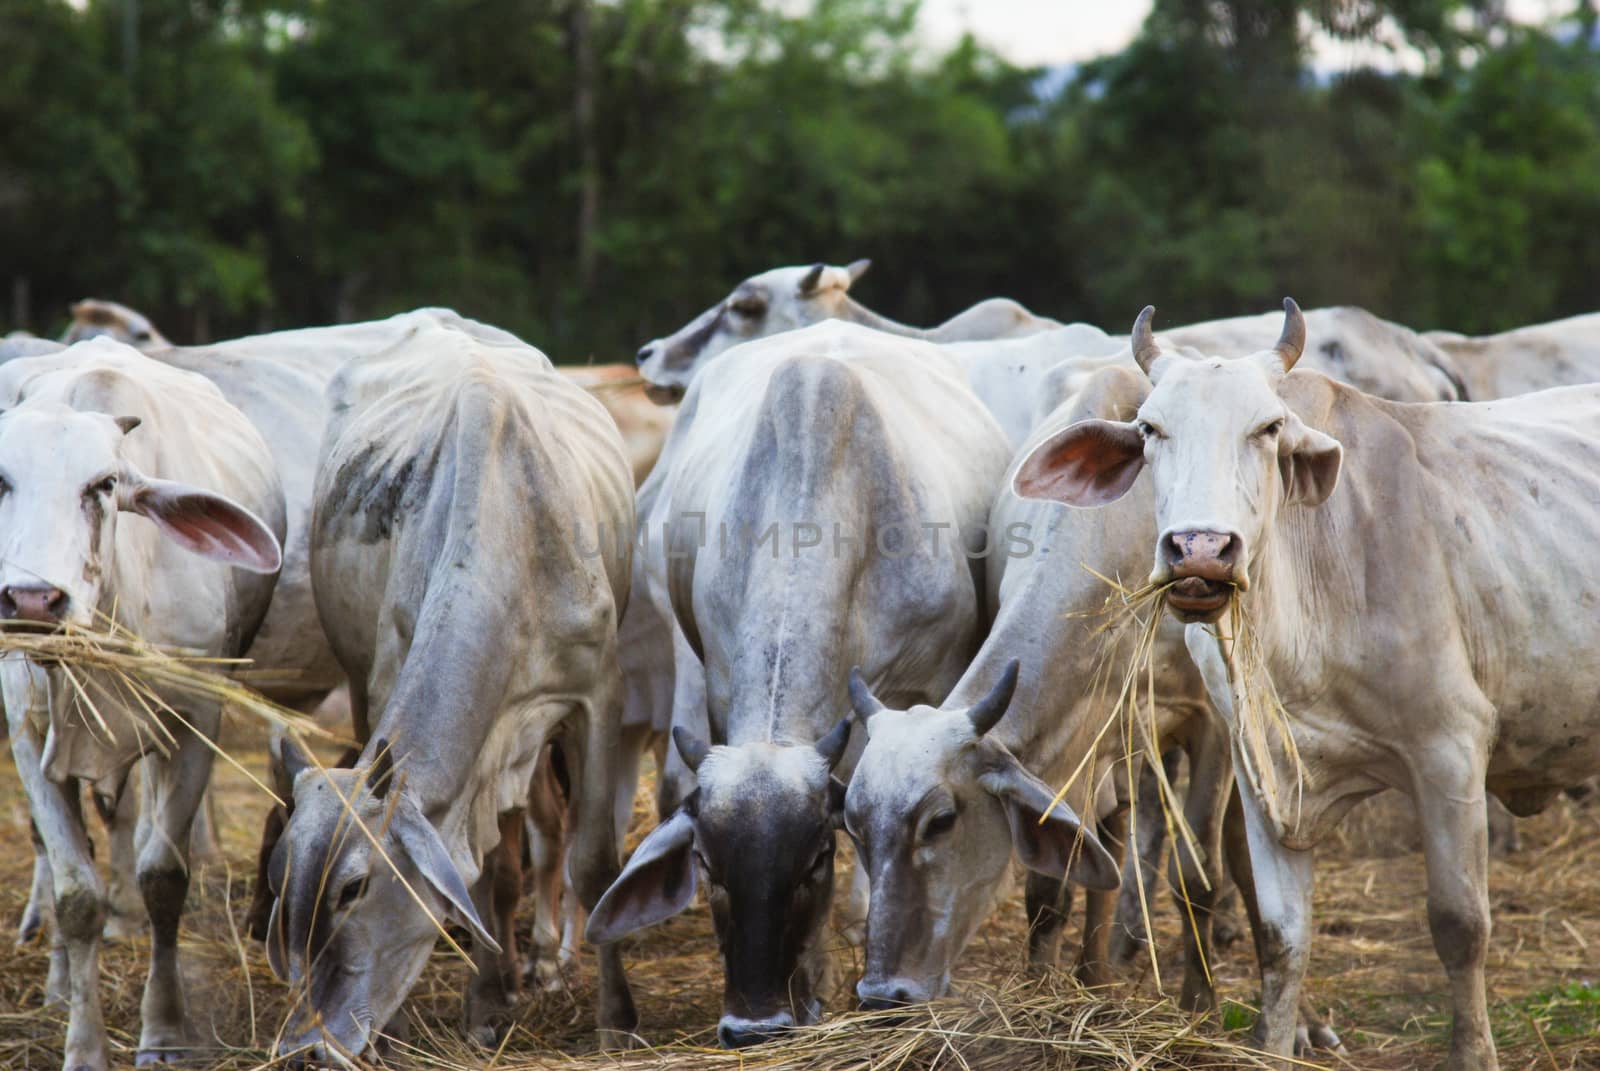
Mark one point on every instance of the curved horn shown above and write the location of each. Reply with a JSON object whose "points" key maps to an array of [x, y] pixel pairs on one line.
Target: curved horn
{"points": [[831, 747], [809, 281], [1292, 342], [691, 748], [857, 268], [862, 700], [989, 710], [1145, 350], [380, 778]]}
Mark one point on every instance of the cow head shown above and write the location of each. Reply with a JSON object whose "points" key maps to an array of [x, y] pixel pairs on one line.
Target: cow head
{"points": [[358, 911], [936, 811], [759, 830], [93, 318], [1225, 453], [782, 299], [63, 482]]}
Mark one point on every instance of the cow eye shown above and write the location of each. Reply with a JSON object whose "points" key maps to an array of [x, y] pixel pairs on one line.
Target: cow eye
{"points": [[939, 825], [1149, 430], [1267, 431], [353, 890], [104, 487], [748, 306]]}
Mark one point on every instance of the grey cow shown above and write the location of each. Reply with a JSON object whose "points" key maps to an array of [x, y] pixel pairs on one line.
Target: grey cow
{"points": [[850, 450], [454, 556]]}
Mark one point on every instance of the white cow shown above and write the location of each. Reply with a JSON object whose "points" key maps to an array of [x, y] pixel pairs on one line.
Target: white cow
{"points": [[86, 436], [1559, 354], [1424, 631], [470, 561]]}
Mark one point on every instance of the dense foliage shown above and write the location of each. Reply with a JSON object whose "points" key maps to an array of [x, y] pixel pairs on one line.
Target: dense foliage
{"points": [[591, 172]]}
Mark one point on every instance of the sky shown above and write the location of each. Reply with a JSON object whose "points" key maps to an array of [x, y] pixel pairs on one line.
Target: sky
{"points": [[1051, 32]]}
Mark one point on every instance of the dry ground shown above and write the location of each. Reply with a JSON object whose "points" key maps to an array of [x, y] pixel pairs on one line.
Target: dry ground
{"points": [[1373, 970]]}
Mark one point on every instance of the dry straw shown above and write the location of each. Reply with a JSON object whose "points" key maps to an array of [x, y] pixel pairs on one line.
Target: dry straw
{"points": [[112, 666], [1131, 620]]}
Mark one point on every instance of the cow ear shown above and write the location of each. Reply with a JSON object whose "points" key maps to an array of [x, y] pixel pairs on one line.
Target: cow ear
{"points": [[1091, 463], [1059, 846], [204, 523], [1309, 462], [428, 854], [657, 883]]}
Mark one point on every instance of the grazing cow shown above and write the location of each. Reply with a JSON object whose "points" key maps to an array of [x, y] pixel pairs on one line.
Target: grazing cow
{"points": [[1559, 354], [87, 435], [1341, 522], [847, 449], [463, 568], [94, 318], [932, 806]]}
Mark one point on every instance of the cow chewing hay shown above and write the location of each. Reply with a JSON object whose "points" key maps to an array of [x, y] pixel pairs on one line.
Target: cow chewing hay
{"points": [[112, 663]]}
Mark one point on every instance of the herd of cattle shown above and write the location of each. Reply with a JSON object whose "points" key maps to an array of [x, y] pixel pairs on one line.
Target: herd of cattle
{"points": [[855, 589]]}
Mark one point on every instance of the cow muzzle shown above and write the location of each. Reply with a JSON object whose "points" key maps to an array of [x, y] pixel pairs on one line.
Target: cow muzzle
{"points": [[1205, 567], [42, 604], [875, 995], [736, 1033]]}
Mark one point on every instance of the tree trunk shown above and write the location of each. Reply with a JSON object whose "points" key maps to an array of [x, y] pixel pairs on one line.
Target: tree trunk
{"points": [[583, 107]]}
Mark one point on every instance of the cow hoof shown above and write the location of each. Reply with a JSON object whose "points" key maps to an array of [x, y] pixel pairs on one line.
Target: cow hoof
{"points": [[157, 1057], [1317, 1038]]}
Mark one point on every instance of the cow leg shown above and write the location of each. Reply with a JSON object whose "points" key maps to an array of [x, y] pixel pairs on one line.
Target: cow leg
{"points": [[1128, 937], [1099, 908], [594, 860], [494, 986], [1313, 1033], [547, 852], [119, 812], [39, 914], [1449, 798], [1283, 883], [1048, 901], [204, 843], [1200, 879], [173, 790], [79, 899]]}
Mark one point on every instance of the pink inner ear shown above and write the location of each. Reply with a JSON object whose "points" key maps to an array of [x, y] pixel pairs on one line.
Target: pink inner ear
{"points": [[1092, 463], [210, 526]]}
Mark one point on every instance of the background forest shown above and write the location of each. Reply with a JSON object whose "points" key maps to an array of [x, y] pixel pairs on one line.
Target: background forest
{"points": [[589, 173]]}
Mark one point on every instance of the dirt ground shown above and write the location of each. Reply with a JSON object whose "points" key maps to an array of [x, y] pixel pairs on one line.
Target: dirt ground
{"points": [[1373, 971]]}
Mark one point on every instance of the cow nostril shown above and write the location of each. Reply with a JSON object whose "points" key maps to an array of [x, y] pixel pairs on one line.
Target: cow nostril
{"points": [[643, 355], [33, 602]]}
